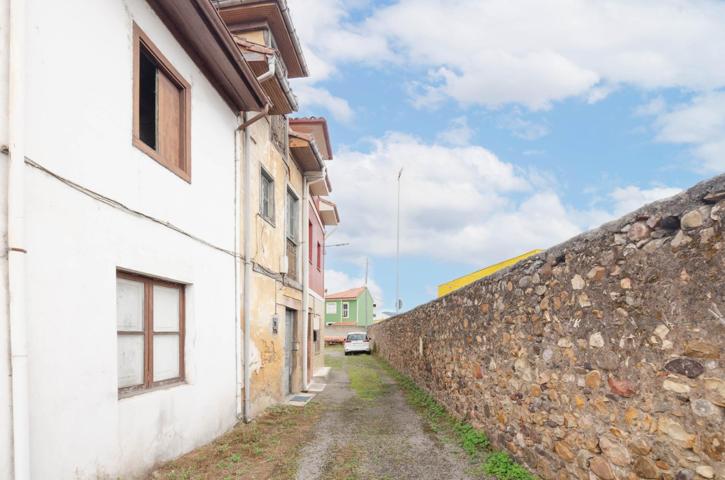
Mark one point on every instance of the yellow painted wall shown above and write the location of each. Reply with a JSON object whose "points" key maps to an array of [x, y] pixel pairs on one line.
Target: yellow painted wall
{"points": [[448, 287], [270, 297]]}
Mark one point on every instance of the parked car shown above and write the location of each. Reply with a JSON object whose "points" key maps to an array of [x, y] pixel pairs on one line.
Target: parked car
{"points": [[357, 342]]}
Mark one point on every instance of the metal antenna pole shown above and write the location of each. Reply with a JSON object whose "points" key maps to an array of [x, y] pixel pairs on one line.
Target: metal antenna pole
{"points": [[367, 326], [397, 253]]}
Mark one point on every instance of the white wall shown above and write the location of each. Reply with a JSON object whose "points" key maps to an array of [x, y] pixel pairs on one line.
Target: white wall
{"points": [[79, 113], [5, 412]]}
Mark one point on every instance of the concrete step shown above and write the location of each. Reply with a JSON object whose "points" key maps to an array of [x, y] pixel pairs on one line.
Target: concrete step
{"points": [[321, 375]]}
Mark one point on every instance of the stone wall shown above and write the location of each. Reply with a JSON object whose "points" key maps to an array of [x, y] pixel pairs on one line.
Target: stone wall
{"points": [[600, 358]]}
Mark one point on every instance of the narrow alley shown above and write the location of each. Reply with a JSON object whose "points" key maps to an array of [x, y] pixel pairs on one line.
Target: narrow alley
{"points": [[366, 424], [369, 431]]}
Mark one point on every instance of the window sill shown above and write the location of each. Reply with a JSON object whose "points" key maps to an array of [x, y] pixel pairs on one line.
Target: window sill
{"points": [[141, 391], [267, 219]]}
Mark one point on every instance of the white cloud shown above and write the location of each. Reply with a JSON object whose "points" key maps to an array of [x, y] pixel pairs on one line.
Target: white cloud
{"points": [[529, 52], [458, 203], [319, 97], [699, 123], [621, 201], [522, 128], [458, 132], [336, 281], [631, 197]]}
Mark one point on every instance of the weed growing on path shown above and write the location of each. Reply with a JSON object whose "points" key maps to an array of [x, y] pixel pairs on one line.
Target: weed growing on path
{"points": [[474, 442], [266, 448], [365, 378]]}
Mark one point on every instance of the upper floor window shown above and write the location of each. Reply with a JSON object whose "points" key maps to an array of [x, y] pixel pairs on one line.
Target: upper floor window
{"points": [[309, 242], [319, 256], [266, 196], [150, 328], [292, 216], [345, 310], [161, 108]]}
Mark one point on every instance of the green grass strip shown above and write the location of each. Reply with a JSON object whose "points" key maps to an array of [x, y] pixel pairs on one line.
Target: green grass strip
{"points": [[474, 442]]}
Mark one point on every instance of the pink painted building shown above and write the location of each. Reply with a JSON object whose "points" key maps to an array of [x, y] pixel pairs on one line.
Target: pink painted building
{"points": [[322, 214]]}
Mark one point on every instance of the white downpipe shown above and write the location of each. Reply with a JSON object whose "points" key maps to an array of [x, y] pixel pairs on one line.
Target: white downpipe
{"points": [[307, 181], [247, 220], [272, 69], [305, 278], [16, 244], [237, 272]]}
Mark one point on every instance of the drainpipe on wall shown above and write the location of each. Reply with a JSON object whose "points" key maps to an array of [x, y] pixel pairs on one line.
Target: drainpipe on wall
{"points": [[308, 180], [247, 252], [272, 69], [247, 220], [237, 270], [16, 244]]}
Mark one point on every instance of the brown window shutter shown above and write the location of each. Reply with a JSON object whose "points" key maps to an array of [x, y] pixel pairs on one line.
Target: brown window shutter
{"points": [[170, 122]]}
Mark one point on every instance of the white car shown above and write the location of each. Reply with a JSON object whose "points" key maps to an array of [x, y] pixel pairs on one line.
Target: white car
{"points": [[357, 342]]}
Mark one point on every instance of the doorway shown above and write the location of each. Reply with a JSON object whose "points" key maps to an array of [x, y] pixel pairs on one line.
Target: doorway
{"points": [[290, 325]]}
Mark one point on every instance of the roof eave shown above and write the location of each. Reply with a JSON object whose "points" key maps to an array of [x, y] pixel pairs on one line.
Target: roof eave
{"points": [[301, 70], [199, 28]]}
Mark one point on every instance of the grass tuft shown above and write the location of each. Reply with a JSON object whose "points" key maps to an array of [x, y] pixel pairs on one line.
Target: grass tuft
{"points": [[501, 466]]}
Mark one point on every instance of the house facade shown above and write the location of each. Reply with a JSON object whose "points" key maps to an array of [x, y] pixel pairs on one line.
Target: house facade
{"points": [[288, 173], [347, 311], [148, 166]]}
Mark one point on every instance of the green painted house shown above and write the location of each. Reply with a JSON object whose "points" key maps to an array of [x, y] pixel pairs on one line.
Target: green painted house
{"points": [[354, 306]]}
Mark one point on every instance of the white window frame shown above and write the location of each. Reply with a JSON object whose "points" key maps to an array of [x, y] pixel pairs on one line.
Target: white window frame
{"points": [[345, 310], [266, 191], [292, 216]]}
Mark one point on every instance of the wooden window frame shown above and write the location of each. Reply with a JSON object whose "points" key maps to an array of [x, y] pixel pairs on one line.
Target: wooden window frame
{"points": [[263, 173], [148, 334], [141, 39]]}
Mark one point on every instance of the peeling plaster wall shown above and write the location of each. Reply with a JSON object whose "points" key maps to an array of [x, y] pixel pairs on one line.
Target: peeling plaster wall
{"points": [[600, 358], [269, 296]]}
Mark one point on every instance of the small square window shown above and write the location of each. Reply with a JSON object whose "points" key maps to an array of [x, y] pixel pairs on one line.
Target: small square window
{"points": [[161, 108]]}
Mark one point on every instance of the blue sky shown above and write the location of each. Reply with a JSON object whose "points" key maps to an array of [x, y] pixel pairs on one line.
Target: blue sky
{"points": [[517, 124]]}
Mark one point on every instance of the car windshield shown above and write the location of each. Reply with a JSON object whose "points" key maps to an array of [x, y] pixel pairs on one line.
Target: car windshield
{"points": [[356, 337]]}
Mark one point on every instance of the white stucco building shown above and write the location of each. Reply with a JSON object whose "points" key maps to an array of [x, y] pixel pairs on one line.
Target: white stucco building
{"points": [[124, 244]]}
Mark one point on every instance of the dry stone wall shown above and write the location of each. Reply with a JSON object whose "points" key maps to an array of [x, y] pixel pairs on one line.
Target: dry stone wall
{"points": [[600, 358]]}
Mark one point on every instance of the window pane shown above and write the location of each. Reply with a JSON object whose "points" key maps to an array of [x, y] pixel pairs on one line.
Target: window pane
{"points": [[166, 357], [166, 309], [147, 99], [331, 308], [169, 123], [130, 360], [129, 305]]}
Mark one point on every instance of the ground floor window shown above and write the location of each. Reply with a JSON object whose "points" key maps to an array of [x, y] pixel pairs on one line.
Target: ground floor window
{"points": [[316, 340], [150, 332]]}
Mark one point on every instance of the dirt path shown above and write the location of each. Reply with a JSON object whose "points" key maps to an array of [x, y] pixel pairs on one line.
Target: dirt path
{"points": [[368, 431]]}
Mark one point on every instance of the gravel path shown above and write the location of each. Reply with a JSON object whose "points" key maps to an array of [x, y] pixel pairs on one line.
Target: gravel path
{"points": [[379, 438]]}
